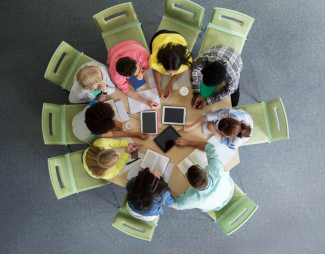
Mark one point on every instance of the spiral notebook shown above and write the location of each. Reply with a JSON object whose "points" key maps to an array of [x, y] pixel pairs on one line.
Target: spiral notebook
{"points": [[137, 84]]}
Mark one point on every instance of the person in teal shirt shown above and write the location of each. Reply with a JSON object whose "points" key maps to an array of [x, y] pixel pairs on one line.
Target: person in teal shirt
{"points": [[211, 188]]}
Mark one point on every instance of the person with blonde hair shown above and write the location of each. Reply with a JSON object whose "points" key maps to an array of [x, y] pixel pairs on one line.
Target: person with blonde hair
{"points": [[91, 82], [101, 161]]}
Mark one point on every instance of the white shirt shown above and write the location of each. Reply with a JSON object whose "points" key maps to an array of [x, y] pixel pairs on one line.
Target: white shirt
{"points": [[79, 95], [80, 129]]}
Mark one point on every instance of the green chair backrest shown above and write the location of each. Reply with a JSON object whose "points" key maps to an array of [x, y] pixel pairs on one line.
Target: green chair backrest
{"points": [[68, 175], [109, 24], [239, 209], [64, 64], [183, 17], [228, 28], [57, 123], [128, 224]]}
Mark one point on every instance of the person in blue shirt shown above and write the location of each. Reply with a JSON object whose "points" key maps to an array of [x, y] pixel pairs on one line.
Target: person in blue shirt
{"points": [[148, 192], [211, 188]]}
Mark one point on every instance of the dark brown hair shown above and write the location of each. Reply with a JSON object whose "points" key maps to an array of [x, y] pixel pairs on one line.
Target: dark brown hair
{"points": [[99, 118], [173, 55], [231, 127], [147, 190], [197, 177], [126, 66]]}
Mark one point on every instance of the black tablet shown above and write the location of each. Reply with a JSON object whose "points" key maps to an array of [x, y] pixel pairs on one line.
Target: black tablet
{"points": [[167, 138], [149, 122], [173, 115]]}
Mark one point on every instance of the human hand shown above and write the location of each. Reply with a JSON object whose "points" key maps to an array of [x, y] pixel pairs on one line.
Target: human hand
{"points": [[202, 104], [181, 142], [132, 147], [140, 76], [152, 104], [196, 100], [102, 87], [185, 128], [161, 94], [101, 97], [169, 91], [142, 135], [212, 126], [118, 125]]}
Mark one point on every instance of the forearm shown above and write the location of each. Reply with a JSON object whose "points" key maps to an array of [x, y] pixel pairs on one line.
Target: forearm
{"points": [[144, 71], [134, 95], [174, 78], [218, 134], [157, 76], [117, 134], [197, 144], [198, 122]]}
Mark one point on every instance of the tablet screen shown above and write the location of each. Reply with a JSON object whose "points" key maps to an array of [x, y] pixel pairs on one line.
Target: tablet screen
{"points": [[149, 122], [174, 115], [166, 139]]}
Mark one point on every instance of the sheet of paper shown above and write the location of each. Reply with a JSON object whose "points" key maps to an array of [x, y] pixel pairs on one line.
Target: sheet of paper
{"points": [[151, 79], [168, 172], [224, 152], [134, 171], [183, 80], [128, 167], [150, 95], [206, 131], [121, 111]]}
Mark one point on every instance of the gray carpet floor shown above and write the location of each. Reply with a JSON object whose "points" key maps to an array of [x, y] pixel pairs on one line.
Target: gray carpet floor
{"points": [[284, 56]]}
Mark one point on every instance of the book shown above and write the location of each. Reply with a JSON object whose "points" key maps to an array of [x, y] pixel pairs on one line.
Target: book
{"points": [[137, 84], [112, 103], [155, 161], [197, 157]]}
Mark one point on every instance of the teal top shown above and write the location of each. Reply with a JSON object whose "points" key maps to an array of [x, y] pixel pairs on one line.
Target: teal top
{"points": [[217, 194], [207, 91]]}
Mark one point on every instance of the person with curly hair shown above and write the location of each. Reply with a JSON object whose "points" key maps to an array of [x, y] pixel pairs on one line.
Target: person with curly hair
{"points": [[169, 56], [101, 161], [148, 192], [218, 64], [97, 120], [127, 59]]}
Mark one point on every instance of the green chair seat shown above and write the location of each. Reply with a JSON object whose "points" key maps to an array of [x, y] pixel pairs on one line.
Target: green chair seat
{"points": [[128, 224], [182, 21], [63, 73], [236, 213], [73, 177], [227, 28], [57, 123]]}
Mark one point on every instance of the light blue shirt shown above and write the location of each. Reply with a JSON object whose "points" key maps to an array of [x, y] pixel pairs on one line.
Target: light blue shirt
{"points": [[217, 194]]}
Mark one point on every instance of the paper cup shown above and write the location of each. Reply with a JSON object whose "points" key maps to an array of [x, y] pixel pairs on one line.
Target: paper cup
{"points": [[183, 91], [128, 125]]}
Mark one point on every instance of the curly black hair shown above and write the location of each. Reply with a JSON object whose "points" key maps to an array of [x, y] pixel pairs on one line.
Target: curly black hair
{"points": [[173, 55], [147, 190], [99, 118], [214, 73], [126, 66]]}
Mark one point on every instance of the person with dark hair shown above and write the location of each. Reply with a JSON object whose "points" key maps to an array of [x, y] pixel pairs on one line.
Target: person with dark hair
{"points": [[97, 120], [148, 192], [233, 127], [127, 59], [218, 64], [211, 188], [169, 56]]}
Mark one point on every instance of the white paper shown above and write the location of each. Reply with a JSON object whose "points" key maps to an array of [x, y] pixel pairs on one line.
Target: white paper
{"points": [[168, 172], [151, 78], [134, 171], [224, 152], [121, 111], [150, 95], [206, 131], [183, 80]]}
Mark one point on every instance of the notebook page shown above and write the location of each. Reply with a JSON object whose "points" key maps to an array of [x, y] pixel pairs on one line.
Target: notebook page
{"points": [[206, 131], [184, 165], [149, 159], [160, 165], [121, 111], [168, 172], [150, 95], [199, 158]]}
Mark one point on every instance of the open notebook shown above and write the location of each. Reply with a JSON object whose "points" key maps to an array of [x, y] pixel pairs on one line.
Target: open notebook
{"points": [[197, 157], [155, 161]]}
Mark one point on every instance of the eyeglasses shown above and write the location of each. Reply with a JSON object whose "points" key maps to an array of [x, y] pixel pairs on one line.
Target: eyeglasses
{"points": [[198, 167]]}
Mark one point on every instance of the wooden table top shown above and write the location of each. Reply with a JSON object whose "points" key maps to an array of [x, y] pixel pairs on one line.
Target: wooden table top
{"points": [[178, 183]]}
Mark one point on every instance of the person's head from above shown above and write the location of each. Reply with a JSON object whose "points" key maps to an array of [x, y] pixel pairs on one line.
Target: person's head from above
{"points": [[172, 56], [232, 128], [197, 177], [90, 77], [99, 118], [98, 160], [128, 67], [147, 189], [214, 74]]}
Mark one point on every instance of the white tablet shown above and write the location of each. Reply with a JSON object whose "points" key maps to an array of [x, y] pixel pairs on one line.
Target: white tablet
{"points": [[149, 122], [173, 115]]}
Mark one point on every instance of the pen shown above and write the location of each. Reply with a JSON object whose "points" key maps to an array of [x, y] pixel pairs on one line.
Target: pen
{"points": [[132, 161]]}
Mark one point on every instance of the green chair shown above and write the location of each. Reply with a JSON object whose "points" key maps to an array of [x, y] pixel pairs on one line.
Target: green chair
{"points": [[270, 121], [68, 175], [57, 123], [182, 21], [228, 28], [124, 27], [64, 64], [126, 223], [239, 209]]}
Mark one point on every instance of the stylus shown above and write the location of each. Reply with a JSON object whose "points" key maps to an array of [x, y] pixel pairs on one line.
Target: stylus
{"points": [[132, 161]]}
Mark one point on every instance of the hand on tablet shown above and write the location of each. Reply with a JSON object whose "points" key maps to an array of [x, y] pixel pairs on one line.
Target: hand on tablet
{"points": [[152, 104], [142, 135], [132, 147], [181, 142]]}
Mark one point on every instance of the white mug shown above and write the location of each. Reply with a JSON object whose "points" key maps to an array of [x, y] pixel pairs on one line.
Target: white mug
{"points": [[128, 125], [183, 91]]}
